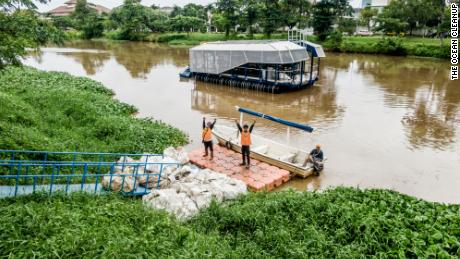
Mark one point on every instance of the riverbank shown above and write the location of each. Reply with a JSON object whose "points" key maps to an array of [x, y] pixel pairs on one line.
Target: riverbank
{"points": [[59, 112], [397, 46], [340, 223]]}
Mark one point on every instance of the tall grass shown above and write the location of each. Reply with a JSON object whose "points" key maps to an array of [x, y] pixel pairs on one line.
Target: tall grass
{"points": [[424, 47], [59, 112], [340, 223]]}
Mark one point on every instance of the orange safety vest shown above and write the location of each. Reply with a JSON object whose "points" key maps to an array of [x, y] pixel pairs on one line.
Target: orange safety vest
{"points": [[245, 138], [207, 134]]}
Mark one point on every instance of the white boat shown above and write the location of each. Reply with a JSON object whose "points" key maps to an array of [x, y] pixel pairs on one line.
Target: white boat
{"points": [[266, 150]]}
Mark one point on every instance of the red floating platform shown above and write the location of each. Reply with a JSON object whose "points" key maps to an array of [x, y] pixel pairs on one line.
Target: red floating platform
{"points": [[260, 176]]}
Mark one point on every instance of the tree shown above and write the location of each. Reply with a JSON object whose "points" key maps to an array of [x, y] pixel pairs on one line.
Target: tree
{"points": [[326, 13], [391, 25], [444, 24], [218, 21], [271, 16], [228, 10], [295, 12], [81, 11], [194, 10], [21, 28], [176, 11], [249, 14], [347, 25], [415, 14], [157, 21], [132, 19], [367, 16], [63, 22], [87, 20], [186, 23]]}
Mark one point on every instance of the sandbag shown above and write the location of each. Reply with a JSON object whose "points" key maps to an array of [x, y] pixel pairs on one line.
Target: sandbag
{"points": [[179, 155], [116, 182], [164, 163], [169, 200]]}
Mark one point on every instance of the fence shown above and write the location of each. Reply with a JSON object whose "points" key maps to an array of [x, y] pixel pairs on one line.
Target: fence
{"points": [[25, 172]]}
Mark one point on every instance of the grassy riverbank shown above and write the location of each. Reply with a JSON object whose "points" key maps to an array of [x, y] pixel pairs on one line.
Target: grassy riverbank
{"points": [[196, 38], [59, 112], [400, 46], [342, 223]]}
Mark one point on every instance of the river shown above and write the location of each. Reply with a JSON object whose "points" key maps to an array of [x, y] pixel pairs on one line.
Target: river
{"points": [[383, 122]]}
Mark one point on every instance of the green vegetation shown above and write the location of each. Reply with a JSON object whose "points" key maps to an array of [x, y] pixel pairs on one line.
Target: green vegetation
{"points": [[59, 112], [86, 20], [340, 223], [197, 37], [21, 29], [257, 19], [400, 46]]}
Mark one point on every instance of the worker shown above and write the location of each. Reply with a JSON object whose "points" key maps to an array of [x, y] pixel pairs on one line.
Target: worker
{"points": [[207, 137], [316, 158], [245, 133]]}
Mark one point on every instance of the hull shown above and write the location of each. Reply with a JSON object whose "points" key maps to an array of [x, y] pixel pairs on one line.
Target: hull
{"points": [[253, 84], [267, 151]]}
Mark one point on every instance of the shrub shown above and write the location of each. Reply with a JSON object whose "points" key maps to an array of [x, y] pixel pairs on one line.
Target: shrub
{"points": [[390, 46], [59, 112], [334, 40], [170, 37], [339, 223]]}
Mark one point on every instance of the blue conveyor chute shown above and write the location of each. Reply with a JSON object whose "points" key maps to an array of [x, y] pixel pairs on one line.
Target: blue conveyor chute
{"points": [[278, 120]]}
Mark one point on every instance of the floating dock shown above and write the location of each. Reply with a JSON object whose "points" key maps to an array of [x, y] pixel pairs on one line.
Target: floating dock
{"points": [[260, 176], [262, 65]]}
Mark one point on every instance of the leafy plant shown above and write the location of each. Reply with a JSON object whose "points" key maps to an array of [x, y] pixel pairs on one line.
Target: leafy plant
{"points": [[337, 223], [59, 112]]}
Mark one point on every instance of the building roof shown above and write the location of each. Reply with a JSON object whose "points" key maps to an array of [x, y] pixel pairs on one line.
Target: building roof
{"points": [[221, 56], [102, 9], [69, 7], [62, 10], [249, 45]]}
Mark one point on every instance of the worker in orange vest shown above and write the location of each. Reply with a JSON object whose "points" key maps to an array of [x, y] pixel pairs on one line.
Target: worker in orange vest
{"points": [[207, 137], [245, 133]]}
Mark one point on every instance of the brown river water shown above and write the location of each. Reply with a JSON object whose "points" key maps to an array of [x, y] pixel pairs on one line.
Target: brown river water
{"points": [[383, 122]]}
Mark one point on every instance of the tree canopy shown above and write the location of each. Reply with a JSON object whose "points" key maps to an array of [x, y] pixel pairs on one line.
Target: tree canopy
{"points": [[21, 28]]}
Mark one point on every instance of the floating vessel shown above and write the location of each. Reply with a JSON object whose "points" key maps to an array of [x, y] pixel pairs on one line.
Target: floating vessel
{"points": [[265, 65], [266, 150]]}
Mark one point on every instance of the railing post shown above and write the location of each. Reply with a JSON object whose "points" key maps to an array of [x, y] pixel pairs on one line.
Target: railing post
{"points": [[159, 176], [83, 180], [17, 179], [52, 179]]}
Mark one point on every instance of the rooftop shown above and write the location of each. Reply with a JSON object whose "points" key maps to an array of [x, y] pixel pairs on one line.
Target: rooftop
{"points": [[253, 45], [69, 7]]}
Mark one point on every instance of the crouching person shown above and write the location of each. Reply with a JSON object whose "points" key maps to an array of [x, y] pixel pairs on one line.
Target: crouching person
{"points": [[315, 157]]}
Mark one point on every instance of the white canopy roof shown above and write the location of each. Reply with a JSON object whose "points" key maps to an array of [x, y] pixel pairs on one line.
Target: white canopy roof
{"points": [[218, 57]]}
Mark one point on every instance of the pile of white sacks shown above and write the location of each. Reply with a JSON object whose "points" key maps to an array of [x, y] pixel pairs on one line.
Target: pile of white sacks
{"points": [[184, 189]]}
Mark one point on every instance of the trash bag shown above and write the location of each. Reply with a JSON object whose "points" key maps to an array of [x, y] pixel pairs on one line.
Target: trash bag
{"points": [[191, 189], [116, 182], [162, 163], [171, 201], [179, 155]]}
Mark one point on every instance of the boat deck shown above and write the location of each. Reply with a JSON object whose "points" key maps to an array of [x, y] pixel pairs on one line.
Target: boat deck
{"points": [[260, 176]]}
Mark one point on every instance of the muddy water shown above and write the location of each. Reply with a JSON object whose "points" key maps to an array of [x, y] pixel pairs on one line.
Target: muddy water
{"points": [[384, 122]]}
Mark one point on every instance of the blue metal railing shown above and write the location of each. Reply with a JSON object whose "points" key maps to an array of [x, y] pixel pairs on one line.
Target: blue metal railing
{"points": [[77, 171]]}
